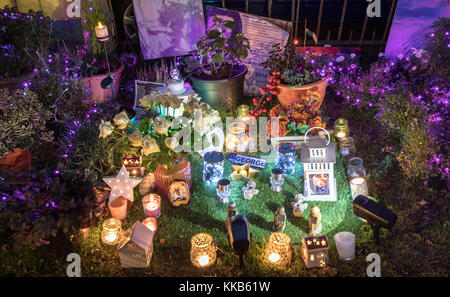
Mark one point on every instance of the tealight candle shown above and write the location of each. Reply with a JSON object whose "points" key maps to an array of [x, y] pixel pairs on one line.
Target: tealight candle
{"points": [[203, 250], [341, 128], [152, 205], [358, 186], [112, 231], [150, 223], [101, 32], [278, 250], [345, 245]]}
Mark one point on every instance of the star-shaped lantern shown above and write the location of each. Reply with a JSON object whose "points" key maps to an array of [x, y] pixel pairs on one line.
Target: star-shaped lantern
{"points": [[122, 184], [244, 172]]}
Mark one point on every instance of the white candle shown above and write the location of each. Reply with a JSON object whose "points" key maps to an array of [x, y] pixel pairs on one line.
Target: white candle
{"points": [[345, 245], [358, 186], [101, 32]]}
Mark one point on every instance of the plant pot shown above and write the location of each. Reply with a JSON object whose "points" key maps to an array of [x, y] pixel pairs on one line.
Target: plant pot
{"points": [[164, 175], [14, 83], [289, 96], [97, 92], [222, 93], [17, 160]]}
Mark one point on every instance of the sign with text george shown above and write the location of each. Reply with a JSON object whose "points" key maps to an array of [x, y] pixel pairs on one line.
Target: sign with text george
{"points": [[241, 159]]}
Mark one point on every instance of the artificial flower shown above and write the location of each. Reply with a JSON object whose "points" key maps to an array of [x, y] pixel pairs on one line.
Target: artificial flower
{"points": [[136, 138], [106, 128], [121, 120], [149, 145], [161, 126], [172, 142], [148, 101], [175, 102]]}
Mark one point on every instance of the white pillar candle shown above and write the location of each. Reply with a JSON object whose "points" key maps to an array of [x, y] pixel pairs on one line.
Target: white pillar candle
{"points": [[101, 32], [118, 208], [345, 245]]}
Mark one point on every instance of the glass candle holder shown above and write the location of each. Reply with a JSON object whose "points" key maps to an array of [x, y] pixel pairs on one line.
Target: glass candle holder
{"points": [[111, 231], [152, 205], [203, 250], [356, 167], [276, 180], [176, 83], [341, 128], [345, 245], [224, 190], [347, 147], [213, 167], [278, 250], [358, 186], [237, 139], [286, 158], [118, 207], [150, 223]]}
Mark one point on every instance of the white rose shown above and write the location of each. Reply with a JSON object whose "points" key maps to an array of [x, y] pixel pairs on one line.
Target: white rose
{"points": [[121, 120], [106, 128]]}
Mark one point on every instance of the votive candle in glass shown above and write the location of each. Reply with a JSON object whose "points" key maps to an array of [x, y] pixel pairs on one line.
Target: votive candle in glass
{"points": [[278, 250], [111, 232], [237, 139], [358, 186], [347, 147], [101, 32], [212, 167], [152, 205], [118, 207], [286, 158], [150, 223], [203, 250], [341, 128], [345, 245], [356, 167]]}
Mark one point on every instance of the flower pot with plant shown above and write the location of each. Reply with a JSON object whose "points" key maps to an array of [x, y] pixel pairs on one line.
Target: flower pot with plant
{"points": [[216, 63], [295, 79]]}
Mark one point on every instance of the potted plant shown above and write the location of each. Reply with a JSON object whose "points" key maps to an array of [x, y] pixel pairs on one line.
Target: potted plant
{"points": [[22, 124], [216, 63], [21, 34], [295, 79]]}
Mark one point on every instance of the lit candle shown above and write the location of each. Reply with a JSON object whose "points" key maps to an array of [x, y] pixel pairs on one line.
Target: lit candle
{"points": [[203, 250], [341, 128], [278, 250], [112, 230], [101, 32], [152, 205], [150, 223], [358, 186]]}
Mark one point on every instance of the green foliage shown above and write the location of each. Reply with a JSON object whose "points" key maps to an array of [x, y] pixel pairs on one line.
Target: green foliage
{"points": [[218, 53], [21, 34], [22, 120]]}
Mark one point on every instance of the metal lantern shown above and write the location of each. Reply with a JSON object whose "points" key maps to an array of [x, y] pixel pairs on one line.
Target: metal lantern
{"points": [[318, 157], [278, 250], [111, 232], [213, 167], [286, 157], [341, 128], [203, 250], [237, 139]]}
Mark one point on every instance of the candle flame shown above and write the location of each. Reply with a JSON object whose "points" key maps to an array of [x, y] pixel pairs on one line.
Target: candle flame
{"points": [[100, 26], [274, 257], [203, 260]]}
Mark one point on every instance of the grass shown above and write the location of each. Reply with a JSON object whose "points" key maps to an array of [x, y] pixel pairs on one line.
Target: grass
{"points": [[418, 244]]}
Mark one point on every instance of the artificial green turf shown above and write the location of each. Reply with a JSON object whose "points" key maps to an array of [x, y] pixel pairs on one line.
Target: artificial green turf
{"points": [[205, 213]]}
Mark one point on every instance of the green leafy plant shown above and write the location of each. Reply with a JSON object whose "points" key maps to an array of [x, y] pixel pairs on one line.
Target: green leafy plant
{"points": [[21, 34], [219, 53], [22, 120]]}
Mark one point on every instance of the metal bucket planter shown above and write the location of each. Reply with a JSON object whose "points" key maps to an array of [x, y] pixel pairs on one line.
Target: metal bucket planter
{"points": [[223, 93], [97, 92]]}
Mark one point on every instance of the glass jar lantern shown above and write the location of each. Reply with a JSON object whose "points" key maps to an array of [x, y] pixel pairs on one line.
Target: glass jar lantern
{"points": [[111, 231], [276, 180], [347, 147], [278, 250], [356, 168], [150, 223], [358, 186], [341, 129], [203, 250], [224, 190], [286, 157], [212, 167], [237, 139]]}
